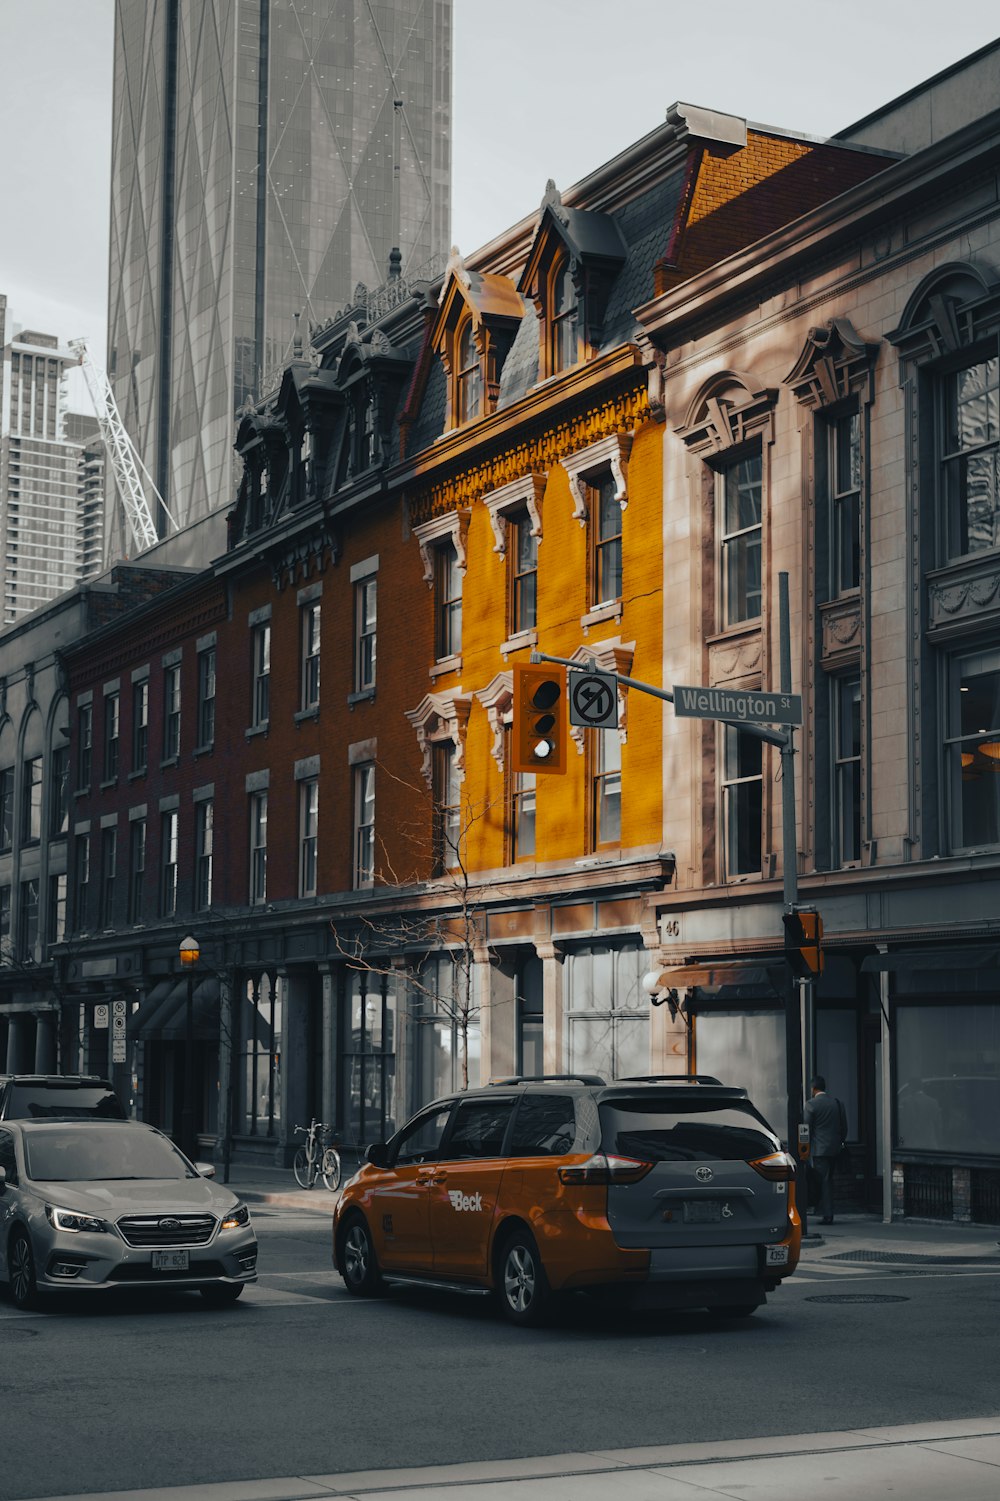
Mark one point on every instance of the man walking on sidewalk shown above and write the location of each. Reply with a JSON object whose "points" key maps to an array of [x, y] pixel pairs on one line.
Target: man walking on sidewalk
{"points": [[827, 1122]]}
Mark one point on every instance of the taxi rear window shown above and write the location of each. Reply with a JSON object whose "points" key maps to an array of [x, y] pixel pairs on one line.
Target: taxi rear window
{"points": [[689, 1131], [545, 1126]]}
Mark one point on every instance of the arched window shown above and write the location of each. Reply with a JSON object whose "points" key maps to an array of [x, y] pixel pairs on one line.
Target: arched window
{"points": [[469, 376], [565, 320]]}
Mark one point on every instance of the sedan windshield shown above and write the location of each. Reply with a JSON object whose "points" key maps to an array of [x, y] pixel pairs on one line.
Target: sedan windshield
{"points": [[76, 1155]]}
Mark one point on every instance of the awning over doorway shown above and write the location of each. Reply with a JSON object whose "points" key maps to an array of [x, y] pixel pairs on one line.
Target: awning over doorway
{"points": [[739, 979], [919, 961], [162, 1017]]}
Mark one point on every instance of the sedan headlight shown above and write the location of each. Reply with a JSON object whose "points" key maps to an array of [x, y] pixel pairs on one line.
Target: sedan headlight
{"points": [[236, 1217], [69, 1219]]}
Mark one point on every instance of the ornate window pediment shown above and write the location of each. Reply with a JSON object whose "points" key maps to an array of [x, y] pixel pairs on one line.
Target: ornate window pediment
{"points": [[609, 453], [525, 492], [450, 526], [612, 655], [835, 363], [497, 698], [953, 308], [479, 314], [437, 717], [574, 259], [731, 409]]}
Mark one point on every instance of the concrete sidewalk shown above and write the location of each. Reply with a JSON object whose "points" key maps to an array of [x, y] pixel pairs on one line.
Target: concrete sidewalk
{"points": [[922, 1462], [849, 1235]]}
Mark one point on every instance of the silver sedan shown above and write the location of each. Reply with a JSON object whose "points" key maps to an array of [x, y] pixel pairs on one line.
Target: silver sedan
{"points": [[88, 1204]]}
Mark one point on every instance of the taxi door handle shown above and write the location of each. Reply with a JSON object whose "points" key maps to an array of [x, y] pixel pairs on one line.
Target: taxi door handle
{"points": [[433, 1177]]}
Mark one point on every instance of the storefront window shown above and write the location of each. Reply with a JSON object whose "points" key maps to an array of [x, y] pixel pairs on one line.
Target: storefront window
{"points": [[607, 1016], [260, 1034], [948, 1078], [442, 1039], [837, 1059], [369, 1087], [746, 1049]]}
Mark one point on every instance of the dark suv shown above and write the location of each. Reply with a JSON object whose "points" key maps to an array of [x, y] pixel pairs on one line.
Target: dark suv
{"points": [[674, 1191], [27, 1097]]}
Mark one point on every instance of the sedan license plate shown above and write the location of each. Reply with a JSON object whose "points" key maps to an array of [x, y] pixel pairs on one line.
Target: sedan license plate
{"points": [[702, 1211], [170, 1261], [776, 1255]]}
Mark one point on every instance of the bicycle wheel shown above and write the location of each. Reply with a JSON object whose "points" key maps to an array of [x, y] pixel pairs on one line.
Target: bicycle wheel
{"points": [[305, 1173], [330, 1168]]}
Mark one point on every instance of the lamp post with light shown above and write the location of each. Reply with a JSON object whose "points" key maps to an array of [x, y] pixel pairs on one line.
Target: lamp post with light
{"points": [[190, 953]]}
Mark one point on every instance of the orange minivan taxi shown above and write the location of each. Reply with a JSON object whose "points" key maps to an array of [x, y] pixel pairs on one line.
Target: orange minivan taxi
{"points": [[669, 1192]]}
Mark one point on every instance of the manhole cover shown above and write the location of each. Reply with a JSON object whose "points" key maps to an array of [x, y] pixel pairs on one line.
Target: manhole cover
{"points": [[856, 1298], [24, 1333], [913, 1257]]}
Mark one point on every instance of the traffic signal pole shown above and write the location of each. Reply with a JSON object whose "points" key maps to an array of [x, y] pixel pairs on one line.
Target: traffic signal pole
{"points": [[784, 740]]}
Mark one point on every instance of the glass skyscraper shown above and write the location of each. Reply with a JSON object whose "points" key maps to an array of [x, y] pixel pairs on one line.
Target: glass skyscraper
{"points": [[267, 155]]}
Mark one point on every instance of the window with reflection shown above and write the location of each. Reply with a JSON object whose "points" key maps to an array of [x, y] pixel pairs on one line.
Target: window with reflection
{"points": [[364, 825], [565, 321], [970, 457], [447, 600], [261, 654], [308, 835], [606, 751], [6, 807], [739, 491], [468, 379], [140, 725], [847, 768], [524, 573], [58, 787], [742, 802], [31, 801], [607, 1022], [844, 470], [112, 703], [972, 748], [446, 1012], [369, 1072], [259, 1030], [447, 806], [606, 541]]}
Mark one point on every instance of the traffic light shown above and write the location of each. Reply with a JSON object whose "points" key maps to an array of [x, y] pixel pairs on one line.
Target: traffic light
{"points": [[804, 941], [540, 717]]}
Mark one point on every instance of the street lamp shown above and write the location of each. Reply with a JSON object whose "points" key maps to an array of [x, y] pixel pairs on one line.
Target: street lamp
{"points": [[190, 953]]}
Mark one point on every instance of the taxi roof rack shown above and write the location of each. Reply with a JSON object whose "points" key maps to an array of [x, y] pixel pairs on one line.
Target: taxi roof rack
{"points": [[549, 1078], [670, 1079]]}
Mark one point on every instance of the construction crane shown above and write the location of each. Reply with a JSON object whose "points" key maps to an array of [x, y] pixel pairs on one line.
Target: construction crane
{"points": [[125, 460]]}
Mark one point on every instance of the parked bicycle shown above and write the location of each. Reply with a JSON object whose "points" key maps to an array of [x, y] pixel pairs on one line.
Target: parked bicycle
{"points": [[317, 1159]]}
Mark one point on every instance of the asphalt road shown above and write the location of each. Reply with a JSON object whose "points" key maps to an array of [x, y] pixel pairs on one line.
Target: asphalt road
{"points": [[300, 1378]]}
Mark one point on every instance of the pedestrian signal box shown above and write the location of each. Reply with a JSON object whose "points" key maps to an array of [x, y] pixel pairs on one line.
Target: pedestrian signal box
{"points": [[541, 722], [804, 942]]}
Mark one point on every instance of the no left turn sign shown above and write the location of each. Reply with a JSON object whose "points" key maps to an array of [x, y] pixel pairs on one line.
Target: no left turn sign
{"points": [[593, 700]]}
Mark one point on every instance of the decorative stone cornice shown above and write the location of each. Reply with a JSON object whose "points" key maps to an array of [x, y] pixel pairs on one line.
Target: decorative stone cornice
{"points": [[840, 625], [537, 453], [731, 660]]}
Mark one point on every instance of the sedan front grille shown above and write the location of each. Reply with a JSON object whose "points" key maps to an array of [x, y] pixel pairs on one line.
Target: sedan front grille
{"points": [[167, 1229]]}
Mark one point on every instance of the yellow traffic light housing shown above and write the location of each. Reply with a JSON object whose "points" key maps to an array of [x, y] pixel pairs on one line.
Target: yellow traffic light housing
{"points": [[804, 941], [541, 721]]}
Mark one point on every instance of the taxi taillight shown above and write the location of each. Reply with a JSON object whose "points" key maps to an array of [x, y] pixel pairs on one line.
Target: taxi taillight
{"points": [[778, 1166], [604, 1168]]}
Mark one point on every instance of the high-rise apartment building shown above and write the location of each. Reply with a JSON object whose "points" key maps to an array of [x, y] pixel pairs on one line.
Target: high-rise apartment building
{"points": [[51, 477], [267, 156]]}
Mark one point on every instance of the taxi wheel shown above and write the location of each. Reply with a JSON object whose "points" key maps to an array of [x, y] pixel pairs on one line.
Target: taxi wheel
{"points": [[361, 1274], [21, 1271], [522, 1285]]}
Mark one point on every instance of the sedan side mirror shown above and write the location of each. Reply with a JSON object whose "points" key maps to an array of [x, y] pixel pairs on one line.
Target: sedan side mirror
{"points": [[205, 1169], [377, 1154], [3, 1179]]}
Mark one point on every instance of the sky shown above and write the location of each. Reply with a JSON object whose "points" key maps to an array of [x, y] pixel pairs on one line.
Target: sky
{"points": [[541, 89]]}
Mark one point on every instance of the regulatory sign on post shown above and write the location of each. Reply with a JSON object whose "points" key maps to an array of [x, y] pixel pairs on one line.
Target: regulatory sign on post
{"points": [[749, 706], [119, 1011], [593, 700], [101, 1015]]}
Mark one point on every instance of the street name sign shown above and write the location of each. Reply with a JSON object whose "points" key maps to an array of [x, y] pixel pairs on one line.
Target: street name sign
{"points": [[744, 705], [593, 700]]}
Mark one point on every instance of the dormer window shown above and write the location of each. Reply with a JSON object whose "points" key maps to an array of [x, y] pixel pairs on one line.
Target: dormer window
{"points": [[469, 376], [565, 320]]}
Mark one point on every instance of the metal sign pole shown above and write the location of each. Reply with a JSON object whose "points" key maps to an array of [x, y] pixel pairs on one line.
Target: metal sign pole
{"points": [[790, 894]]}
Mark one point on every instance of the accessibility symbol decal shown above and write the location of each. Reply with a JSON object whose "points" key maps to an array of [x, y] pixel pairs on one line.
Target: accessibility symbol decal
{"points": [[593, 700]]}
